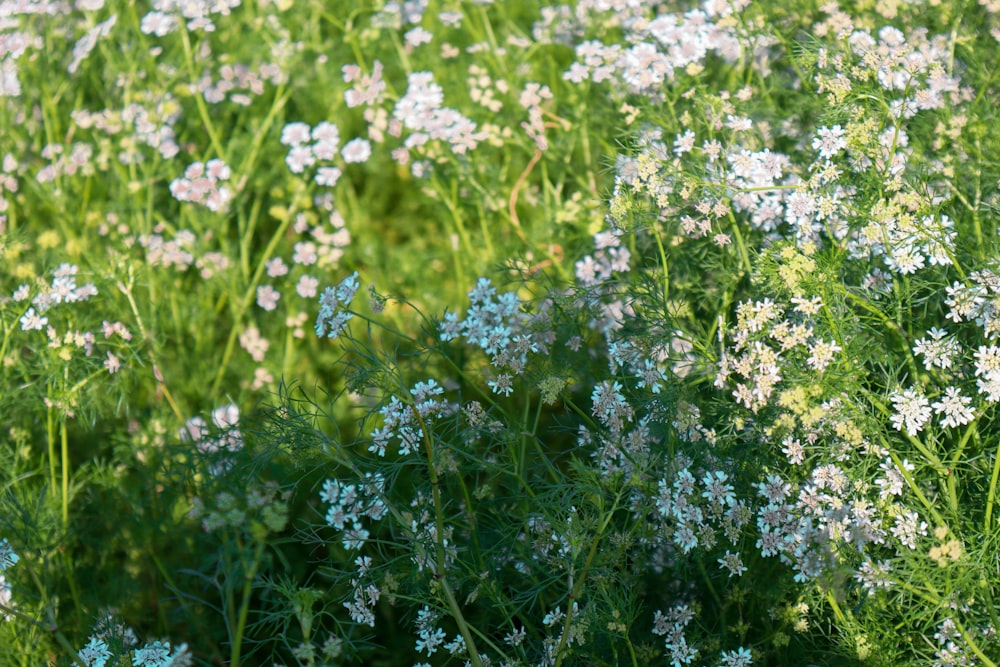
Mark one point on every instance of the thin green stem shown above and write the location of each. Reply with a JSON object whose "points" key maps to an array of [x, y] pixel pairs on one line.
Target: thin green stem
{"points": [[51, 629], [50, 433], [64, 451], [199, 99], [577, 587], [740, 244], [241, 621], [973, 645], [441, 574], [992, 493], [247, 299]]}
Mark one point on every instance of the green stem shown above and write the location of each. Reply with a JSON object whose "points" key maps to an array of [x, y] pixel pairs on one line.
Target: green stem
{"points": [[441, 576], [973, 645], [248, 297], [577, 587], [51, 629], [991, 495], [150, 343], [740, 244], [64, 447], [241, 622], [954, 462], [913, 486], [199, 99], [50, 432], [663, 263]]}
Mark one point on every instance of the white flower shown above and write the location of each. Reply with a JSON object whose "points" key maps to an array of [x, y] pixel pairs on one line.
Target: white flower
{"points": [[7, 556], [31, 321], [96, 653], [955, 408], [912, 411], [295, 134], [938, 350], [356, 150]]}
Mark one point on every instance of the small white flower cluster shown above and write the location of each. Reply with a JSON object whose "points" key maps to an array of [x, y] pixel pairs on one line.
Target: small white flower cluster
{"points": [[688, 507], [496, 324], [910, 244], [874, 575], [368, 89], [913, 64], [226, 420], [658, 48], [753, 178], [977, 300], [828, 521], [597, 275], [333, 317], [350, 503], [15, 44], [238, 83], [610, 406], [309, 145], [62, 290], [203, 183], [166, 15], [741, 657], [912, 409], [952, 649], [66, 160], [757, 365], [86, 44], [609, 258], [405, 421], [97, 653], [177, 252], [150, 122], [361, 607], [671, 627], [429, 637], [421, 112]]}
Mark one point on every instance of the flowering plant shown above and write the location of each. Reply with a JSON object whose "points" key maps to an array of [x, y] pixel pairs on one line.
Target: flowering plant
{"points": [[644, 334]]}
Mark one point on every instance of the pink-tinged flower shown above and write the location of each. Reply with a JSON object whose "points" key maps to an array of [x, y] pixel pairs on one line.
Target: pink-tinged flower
{"points": [[327, 176], [369, 88], [194, 170], [276, 267], [112, 363], [417, 36], [226, 416], [295, 134], [31, 321], [326, 132], [305, 253], [307, 286], [300, 157], [217, 170], [356, 151], [267, 297], [158, 23], [255, 345]]}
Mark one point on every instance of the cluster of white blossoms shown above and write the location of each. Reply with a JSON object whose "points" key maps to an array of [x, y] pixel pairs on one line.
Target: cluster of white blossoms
{"points": [[204, 183]]}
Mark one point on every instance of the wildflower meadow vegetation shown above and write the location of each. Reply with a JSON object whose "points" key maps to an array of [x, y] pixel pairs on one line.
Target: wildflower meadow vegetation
{"points": [[472, 332]]}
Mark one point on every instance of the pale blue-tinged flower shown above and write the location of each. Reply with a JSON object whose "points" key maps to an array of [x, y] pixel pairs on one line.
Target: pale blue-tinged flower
{"points": [[7, 556], [738, 658], [331, 321], [96, 653]]}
